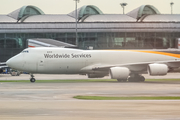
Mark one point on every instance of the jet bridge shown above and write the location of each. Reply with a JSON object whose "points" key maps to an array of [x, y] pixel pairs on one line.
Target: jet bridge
{"points": [[2, 66], [42, 42]]}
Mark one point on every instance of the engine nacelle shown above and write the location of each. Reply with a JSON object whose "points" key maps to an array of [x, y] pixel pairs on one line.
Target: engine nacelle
{"points": [[157, 69], [119, 72], [96, 75]]}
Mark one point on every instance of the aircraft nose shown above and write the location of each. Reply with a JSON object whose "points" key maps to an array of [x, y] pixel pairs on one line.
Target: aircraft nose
{"points": [[15, 62], [10, 62]]}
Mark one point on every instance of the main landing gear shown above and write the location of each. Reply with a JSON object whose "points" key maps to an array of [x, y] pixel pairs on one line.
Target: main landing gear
{"points": [[134, 77], [122, 80], [32, 79]]}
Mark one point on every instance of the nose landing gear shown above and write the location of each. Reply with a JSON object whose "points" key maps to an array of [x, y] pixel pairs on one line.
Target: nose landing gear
{"points": [[32, 79]]}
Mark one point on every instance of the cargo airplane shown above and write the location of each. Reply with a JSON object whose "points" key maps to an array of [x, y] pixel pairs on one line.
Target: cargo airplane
{"points": [[122, 65]]}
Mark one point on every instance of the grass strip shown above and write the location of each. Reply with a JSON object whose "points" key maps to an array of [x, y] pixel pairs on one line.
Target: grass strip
{"points": [[128, 98], [86, 80]]}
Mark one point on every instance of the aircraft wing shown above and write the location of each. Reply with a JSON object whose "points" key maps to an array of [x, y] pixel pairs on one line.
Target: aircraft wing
{"points": [[141, 66]]}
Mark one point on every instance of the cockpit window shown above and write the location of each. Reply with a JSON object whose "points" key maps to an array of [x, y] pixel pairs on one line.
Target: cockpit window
{"points": [[25, 51]]}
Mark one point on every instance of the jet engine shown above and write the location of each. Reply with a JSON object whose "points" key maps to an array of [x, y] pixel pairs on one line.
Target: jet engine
{"points": [[119, 72], [157, 69]]}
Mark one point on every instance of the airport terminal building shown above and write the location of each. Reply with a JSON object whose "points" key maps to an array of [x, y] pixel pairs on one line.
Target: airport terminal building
{"points": [[142, 28]]}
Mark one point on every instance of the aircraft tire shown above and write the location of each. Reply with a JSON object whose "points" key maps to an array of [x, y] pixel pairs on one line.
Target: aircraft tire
{"points": [[142, 78], [130, 79], [33, 80], [125, 80], [133, 79], [136, 78], [121, 80]]}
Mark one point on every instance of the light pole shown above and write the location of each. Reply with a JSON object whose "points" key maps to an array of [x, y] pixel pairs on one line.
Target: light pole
{"points": [[171, 7], [76, 23], [123, 5]]}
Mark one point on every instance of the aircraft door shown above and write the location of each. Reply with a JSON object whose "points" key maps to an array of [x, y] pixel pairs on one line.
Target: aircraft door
{"points": [[41, 62], [64, 68], [41, 66]]}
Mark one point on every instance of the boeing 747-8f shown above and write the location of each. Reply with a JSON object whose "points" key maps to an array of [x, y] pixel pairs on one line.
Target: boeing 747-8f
{"points": [[122, 65]]}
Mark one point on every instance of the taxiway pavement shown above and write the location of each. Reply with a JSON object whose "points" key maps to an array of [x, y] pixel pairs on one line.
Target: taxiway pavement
{"points": [[54, 101]]}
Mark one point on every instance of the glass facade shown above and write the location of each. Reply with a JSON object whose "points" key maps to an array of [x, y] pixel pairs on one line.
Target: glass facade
{"points": [[129, 40], [13, 43]]}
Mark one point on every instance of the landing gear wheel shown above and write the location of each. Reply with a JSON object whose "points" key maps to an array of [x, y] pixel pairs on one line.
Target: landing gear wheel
{"points": [[131, 79], [125, 80], [142, 79], [32, 80], [121, 80], [136, 78]]}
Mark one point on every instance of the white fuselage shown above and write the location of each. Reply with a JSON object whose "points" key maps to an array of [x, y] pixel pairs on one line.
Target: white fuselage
{"points": [[73, 61]]}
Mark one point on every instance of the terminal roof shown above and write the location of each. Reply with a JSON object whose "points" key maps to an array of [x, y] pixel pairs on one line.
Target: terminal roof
{"points": [[25, 11], [88, 14]]}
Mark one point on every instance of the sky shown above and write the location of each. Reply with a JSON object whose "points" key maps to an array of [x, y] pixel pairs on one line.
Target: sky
{"points": [[106, 6]]}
